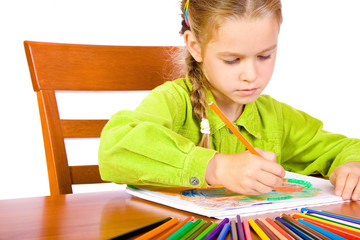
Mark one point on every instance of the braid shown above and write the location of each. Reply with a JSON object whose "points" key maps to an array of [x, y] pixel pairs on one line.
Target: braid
{"points": [[198, 94]]}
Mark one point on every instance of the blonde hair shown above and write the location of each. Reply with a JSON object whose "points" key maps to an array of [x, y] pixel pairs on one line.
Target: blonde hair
{"points": [[205, 17]]}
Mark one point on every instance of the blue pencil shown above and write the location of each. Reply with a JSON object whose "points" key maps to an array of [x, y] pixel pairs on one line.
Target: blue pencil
{"points": [[294, 229], [216, 229], [322, 231], [224, 232]]}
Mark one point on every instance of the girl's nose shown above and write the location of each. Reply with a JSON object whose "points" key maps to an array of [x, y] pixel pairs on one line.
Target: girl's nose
{"points": [[248, 70]]}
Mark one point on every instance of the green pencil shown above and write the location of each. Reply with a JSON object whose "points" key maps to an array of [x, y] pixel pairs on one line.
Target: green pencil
{"points": [[189, 228], [195, 228], [179, 231], [199, 231], [206, 231]]}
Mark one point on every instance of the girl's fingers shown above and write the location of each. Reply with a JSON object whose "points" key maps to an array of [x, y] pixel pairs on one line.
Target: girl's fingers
{"points": [[270, 180], [273, 168], [339, 182], [350, 185], [356, 192], [270, 156]]}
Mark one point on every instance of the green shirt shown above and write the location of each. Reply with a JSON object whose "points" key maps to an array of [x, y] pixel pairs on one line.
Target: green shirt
{"points": [[156, 144]]}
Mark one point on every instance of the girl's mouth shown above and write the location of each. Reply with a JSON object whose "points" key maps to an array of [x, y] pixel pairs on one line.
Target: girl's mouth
{"points": [[247, 92]]}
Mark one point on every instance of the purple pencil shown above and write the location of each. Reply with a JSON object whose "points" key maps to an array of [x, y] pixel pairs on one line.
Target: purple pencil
{"points": [[216, 229], [240, 228]]}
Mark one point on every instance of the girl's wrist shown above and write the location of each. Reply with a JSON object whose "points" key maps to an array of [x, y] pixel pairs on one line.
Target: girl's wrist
{"points": [[211, 170]]}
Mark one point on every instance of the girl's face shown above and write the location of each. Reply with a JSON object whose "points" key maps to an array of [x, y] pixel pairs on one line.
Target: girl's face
{"points": [[239, 61]]}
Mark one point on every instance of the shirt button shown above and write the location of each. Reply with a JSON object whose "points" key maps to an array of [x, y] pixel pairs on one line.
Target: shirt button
{"points": [[194, 181]]}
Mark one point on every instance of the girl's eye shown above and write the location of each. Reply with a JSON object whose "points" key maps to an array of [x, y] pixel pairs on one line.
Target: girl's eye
{"points": [[264, 57], [232, 61]]}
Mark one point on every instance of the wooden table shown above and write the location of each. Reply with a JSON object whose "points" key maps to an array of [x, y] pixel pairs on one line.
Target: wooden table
{"points": [[99, 215]]}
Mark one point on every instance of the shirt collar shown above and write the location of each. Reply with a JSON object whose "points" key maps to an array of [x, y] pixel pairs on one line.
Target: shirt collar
{"points": [[249, 119]]}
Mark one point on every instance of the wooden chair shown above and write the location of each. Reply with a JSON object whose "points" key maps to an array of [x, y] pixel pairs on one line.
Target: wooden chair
{"points": [[77, 67]]}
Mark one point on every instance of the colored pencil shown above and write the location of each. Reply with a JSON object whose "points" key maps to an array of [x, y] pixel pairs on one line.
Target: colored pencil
{"points": [[194, 230], [335, 220], [279, 228], [197, 233], [299, 232], [258, 230], [233, 128], [247, 230], [188, 229], [267, 231], [158, 230], [140, 230], [306, 229], [240, 229], [217, 229], [175, 228], [206, 231], [322, 231], [346, 233], [308, 216], [340, 215], [286, 229], [223, 232], [273, 229], [179, 231], [234, 234], [345, 218]]}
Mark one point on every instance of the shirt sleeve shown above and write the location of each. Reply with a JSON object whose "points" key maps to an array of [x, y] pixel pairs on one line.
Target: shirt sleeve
{"points": [[143, 147], [308, 149]]}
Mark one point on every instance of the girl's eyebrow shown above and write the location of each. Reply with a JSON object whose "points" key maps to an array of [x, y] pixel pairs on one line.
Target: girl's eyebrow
{"points": [[228, 53]]}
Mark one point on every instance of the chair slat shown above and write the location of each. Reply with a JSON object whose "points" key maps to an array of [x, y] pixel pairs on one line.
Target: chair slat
{"points": [[98, 68], [87, 174], [82, 128]]}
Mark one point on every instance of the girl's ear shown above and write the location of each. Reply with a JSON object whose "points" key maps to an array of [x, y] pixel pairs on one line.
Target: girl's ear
{"points": [[193, 46]]}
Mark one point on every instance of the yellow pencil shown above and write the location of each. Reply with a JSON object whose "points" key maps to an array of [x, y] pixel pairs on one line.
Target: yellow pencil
{"points": [[258, 230]]}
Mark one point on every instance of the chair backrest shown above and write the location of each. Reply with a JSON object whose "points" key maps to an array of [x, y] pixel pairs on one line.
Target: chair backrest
{"points": [[77, 67]]}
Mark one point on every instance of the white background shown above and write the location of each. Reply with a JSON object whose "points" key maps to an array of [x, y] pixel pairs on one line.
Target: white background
{"points": [[317, 69]]}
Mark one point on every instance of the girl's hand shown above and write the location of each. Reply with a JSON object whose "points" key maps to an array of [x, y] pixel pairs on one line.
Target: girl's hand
{"points": [[346, 179], [245, 173]]}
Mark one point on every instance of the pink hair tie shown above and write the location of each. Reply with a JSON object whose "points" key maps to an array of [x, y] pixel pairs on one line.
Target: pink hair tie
{"points": [[186, 11]]}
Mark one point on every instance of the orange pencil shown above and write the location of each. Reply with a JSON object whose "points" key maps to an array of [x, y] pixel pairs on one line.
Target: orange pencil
{"points": [[158, 230], [175, 228], [233, 129], [274, 230], [282, 231]]}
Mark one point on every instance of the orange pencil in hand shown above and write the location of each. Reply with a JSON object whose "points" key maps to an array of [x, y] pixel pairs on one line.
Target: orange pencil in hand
{"points": [[233, 129]]}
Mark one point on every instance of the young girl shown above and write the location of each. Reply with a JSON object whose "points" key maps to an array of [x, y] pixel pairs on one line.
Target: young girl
{"points": [[174, 139]]}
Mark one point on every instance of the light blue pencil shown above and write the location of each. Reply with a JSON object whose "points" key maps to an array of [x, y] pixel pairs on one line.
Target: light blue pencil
{"points": [[224, 232]]}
